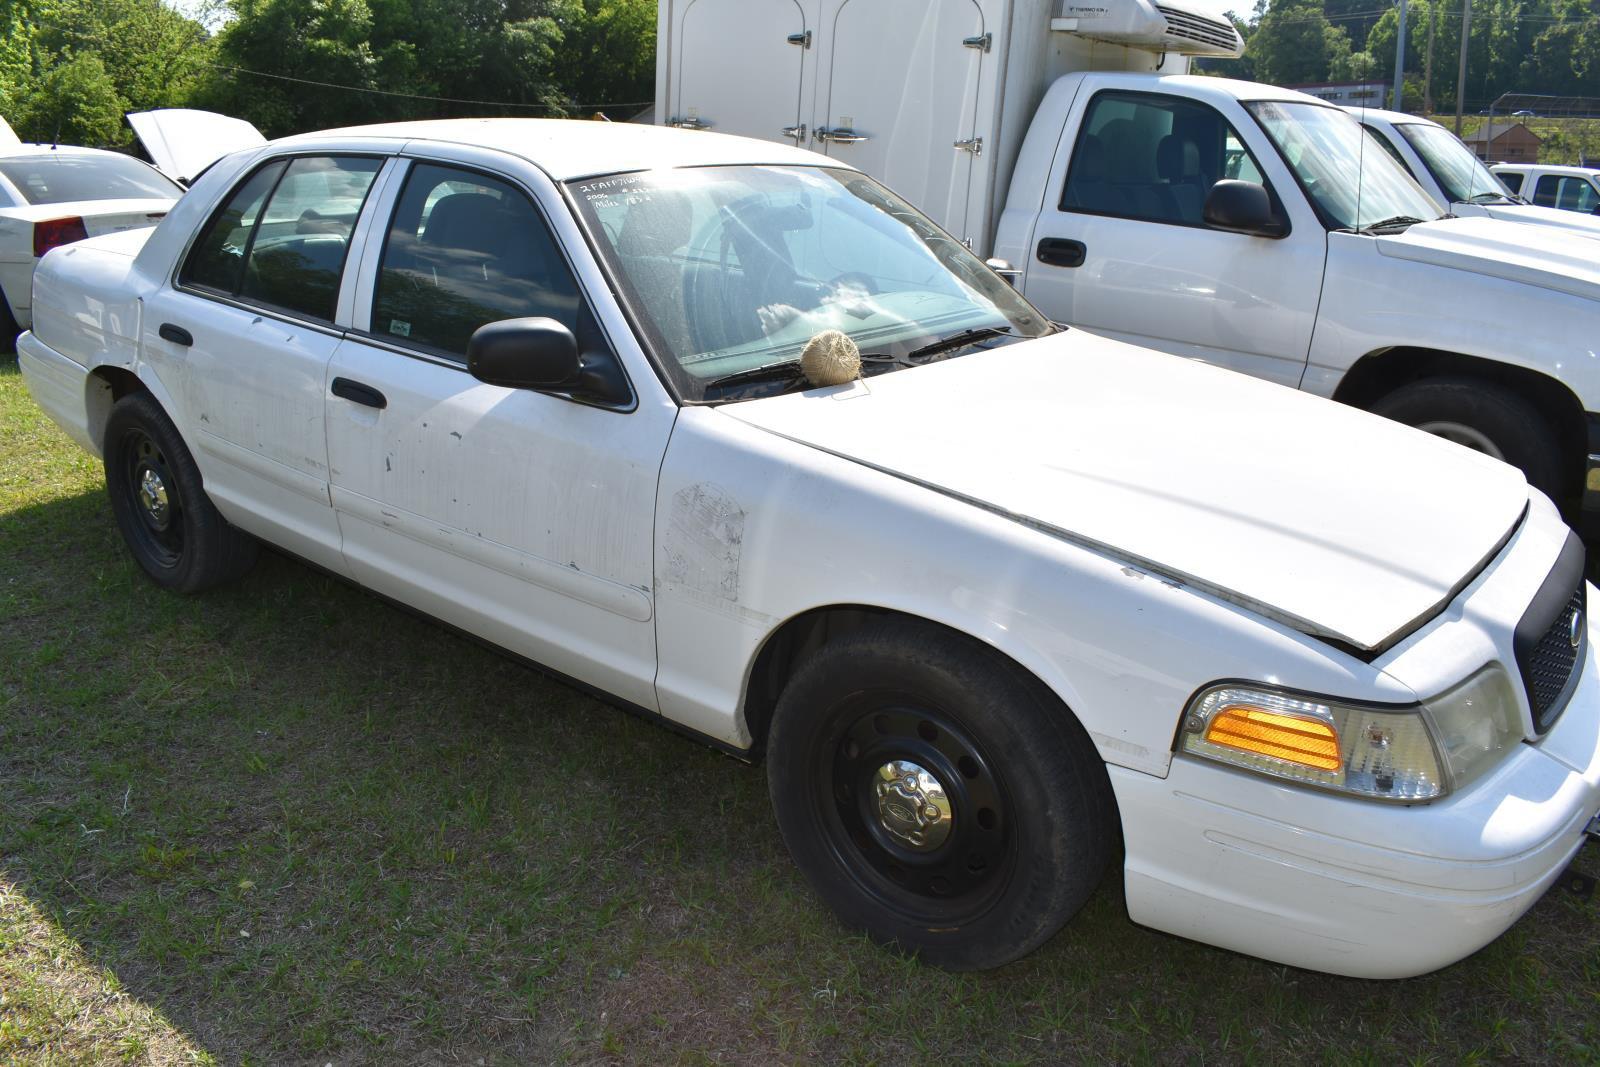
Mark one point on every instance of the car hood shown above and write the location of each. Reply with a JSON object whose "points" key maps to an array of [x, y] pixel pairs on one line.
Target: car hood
{"points": [[1326, 518], [8, 136], [183, 142], [1534, 215], [1550, 257]]}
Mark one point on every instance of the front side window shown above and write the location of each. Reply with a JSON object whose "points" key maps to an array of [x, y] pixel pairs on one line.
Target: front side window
{"points": [[1565, 192], [63, 177], [465, 249], [1462, 175], [282, 238], [1153, 158], [1352, 186], [733, 270], [1511, 179]]}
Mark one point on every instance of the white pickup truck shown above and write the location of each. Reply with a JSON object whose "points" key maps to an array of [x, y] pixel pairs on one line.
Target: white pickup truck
{"points": [[1241, 224]]}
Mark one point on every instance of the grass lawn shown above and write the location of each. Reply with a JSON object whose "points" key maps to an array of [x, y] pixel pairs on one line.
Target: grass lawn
{"points": [[285, 823]]}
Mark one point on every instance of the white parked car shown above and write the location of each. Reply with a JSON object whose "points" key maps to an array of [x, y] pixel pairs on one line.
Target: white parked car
{"points": [[1014, 595], [51, 195], [1455, 178], [1548, 185]]}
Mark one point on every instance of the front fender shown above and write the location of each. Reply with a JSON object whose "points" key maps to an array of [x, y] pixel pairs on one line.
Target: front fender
{"points": [[1372, 302], [754, 529]]}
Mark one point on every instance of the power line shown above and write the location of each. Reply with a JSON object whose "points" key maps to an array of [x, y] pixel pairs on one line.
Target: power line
{"points": [[420, 96]]}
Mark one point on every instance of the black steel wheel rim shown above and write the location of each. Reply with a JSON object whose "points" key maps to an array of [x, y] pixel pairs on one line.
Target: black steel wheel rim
{"points": [[150, 492], [940, 879]]}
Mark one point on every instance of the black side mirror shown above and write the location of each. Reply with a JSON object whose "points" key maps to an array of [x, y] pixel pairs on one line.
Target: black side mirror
{"points": [[1242, 207], [524, 354]]}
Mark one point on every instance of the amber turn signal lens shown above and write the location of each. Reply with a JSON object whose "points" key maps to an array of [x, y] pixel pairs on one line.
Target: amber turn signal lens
{"points": [[1308, 742]]}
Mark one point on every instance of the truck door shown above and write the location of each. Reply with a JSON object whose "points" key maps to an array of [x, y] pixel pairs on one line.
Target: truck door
{"points": [[757, 45], [1122, 247], [897, 96]]}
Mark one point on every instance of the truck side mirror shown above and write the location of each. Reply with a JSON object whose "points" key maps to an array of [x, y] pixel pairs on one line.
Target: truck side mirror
{"points": [[524, 354], [1242, 207], [1003, 268]]}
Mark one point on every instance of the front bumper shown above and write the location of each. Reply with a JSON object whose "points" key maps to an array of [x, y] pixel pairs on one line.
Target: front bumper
{"points": [[1352, 887]]}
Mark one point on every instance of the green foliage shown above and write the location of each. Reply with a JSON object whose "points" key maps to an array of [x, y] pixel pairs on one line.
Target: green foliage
{"points": [[1549, 47], [293, 65]]}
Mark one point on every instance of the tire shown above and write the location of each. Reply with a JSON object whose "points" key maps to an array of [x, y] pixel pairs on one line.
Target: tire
{"points": [[1024, 802], [1476, 414], [8, 327], [173, 530]]}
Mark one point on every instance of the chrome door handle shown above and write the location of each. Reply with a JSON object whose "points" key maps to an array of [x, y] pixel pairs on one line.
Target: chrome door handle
{"points": [[973, 145], [689, 124], [798, 133], [843, 135]]}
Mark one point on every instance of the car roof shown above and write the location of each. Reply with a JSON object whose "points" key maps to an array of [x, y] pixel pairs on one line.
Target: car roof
{"points": [[1394, 118], [575, 148], [21, 151], [1548, 168]]}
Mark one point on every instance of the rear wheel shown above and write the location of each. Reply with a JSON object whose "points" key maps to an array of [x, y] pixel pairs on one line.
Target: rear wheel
{"points": [[173, 530], [1486, 419], [935, 797]]}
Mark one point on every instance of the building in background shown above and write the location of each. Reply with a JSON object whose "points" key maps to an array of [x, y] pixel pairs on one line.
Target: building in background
{"points": [[1348, 94], [1504, 142]]}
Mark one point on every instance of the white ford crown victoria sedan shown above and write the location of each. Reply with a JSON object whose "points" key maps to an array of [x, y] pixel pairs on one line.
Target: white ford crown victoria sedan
{"points": [[1008, 597]]}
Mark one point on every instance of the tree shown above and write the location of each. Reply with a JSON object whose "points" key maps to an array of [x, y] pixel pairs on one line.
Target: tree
{"points": [[1294, 43], [75, 102]]}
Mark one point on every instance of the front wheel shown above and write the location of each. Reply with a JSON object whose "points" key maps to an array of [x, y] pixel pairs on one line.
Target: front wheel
{"points": [[935, 797], [1486, 419], [173, 530]]}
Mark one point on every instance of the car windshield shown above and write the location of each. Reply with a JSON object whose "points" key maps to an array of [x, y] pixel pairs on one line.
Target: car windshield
{"points": [[733, 270], [67, 177], [1354, 184], [1461, 175]]}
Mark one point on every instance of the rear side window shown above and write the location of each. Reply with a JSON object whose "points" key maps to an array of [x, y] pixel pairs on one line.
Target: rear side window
{"points": [[282, 238], [1152, 157], [1511, 179], [465, 249]]}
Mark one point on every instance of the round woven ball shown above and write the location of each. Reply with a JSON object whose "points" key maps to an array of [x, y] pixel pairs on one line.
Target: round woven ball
{"points": [[831, 358]]}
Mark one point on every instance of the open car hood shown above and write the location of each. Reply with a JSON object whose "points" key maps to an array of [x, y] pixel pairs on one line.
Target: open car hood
{"points": [[8, 136], [183, 142], [1325, 518]]}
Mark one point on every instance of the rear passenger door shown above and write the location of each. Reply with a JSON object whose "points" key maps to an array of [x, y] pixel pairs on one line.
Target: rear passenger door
{"points": [[523, 517], [243, 335], [1122, 247]]}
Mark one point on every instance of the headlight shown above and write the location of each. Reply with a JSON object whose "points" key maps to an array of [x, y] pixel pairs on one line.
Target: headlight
{"points": [[1475, 723], [1366, 750]]}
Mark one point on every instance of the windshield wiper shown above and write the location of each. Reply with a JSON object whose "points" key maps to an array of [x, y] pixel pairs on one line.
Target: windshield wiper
{"points": [[1490, 198], [1397, 223], [785, 371], [958, 340]]}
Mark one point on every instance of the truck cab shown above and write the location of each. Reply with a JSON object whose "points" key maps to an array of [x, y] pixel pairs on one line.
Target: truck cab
{"points": [[1240, 224]]}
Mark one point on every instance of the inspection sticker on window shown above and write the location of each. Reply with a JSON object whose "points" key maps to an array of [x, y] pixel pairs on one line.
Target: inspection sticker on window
{"points": [[401, 328]]}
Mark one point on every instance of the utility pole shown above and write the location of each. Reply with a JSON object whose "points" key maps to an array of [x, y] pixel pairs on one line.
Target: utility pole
{"points": [[1400, 62], [1461, 74], [1427, 60]]}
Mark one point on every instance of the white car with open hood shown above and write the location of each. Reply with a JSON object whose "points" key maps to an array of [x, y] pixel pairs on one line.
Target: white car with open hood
{"points": [[52, 195], [997, 598]]}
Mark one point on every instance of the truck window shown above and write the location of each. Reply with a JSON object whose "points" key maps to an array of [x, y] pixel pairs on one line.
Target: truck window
{"points": [[1152, 157], [1566, 193], [1511, 179]]}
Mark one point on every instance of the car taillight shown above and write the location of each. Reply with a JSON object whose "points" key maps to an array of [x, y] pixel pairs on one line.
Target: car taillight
{"points": [[54, 232]]}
